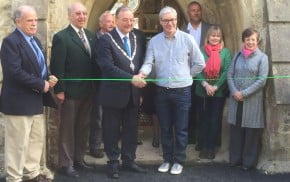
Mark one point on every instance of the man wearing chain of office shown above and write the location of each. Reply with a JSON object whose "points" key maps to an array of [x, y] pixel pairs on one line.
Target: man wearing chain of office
{"points": [[121, 54]]}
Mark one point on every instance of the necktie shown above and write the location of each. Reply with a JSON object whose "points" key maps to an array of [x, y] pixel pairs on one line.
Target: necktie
{"points": [[82, 36], [125, 39], [40, 57]]}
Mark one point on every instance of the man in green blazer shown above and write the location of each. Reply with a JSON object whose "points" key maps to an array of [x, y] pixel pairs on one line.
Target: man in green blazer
{"points": [[72, 56]]}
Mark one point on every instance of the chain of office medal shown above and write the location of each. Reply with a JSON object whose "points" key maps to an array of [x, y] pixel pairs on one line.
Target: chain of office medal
{"points": [[132, 66]]}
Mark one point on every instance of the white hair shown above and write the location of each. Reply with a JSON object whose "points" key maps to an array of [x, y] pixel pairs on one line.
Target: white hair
{"points": [[165, 10], [18, 13], [106, 13]]}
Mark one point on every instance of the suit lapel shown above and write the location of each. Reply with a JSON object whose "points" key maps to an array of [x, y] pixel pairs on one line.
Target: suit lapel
{"points": [[76, 39], [32, 57], [132, 42], [202, 36], [118, 39]]}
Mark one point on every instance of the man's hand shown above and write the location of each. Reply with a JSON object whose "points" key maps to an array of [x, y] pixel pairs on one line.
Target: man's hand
{"points": [[60, 96], [52, 81], [46, 86], [138, 81]]}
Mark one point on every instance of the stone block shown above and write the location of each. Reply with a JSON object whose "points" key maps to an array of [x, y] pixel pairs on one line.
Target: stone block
{"points": [[279, 148], [278, 10], [281, 85], [41, 7], [280, 42]]}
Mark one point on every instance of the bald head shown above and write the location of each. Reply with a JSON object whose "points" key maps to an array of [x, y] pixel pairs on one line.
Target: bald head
{"points": [[106, 22], [77, 14]]}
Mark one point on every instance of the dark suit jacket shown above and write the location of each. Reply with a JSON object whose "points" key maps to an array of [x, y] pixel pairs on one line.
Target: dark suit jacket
{"points": [[70, 59], [22, 89], [204, 28], [114, 64]]}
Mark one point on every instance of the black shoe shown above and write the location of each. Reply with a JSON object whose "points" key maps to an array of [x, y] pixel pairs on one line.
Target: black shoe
{"points": [[83, 166], [203, 154], [113, 170], [69, 172], [210, 154], [247, 168], [155, 144], [235, 164], [139, 142], [132, 166], [197, 147], [97, 153]]}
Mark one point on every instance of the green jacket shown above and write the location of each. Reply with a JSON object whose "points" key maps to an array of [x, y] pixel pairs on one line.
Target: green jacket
{"points": [[70, 59], [221, 83]]}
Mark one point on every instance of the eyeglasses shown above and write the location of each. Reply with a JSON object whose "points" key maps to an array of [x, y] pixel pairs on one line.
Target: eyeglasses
{"points": [[126, 20], [167, 21]]}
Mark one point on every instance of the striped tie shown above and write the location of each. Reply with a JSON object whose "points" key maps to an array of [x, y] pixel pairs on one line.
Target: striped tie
{"points": [[40, 57], [82, 36]]}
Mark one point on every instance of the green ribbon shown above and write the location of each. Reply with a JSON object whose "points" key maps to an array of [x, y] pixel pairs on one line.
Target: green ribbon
{"points": [[171, 79]]}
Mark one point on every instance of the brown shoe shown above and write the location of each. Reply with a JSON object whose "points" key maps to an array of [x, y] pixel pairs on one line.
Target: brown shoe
{"points": [[39, 178]]}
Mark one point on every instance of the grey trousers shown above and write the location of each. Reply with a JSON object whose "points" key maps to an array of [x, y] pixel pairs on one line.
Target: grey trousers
{"points": [[245, 143], [74, 130]]}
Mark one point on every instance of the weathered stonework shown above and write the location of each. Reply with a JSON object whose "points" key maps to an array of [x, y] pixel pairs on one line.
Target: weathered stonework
{"points": [[270, 17]]}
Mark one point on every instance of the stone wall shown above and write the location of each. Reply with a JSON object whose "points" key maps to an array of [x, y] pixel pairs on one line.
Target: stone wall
{"points": [[270, 17], [6, 26], [276, 150]]}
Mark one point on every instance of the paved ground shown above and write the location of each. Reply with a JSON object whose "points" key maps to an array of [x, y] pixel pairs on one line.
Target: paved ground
{"points": [[196, 170], [214, 172], [211, 172]]}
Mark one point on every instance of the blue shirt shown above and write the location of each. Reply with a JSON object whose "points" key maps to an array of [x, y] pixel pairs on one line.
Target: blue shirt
{"points": [[27, 38], [175, 60]]}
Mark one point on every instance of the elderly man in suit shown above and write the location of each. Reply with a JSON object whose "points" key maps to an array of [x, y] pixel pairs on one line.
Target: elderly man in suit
{"points": [[72, 56], [120, 55], [106, 23], [24, 92]]}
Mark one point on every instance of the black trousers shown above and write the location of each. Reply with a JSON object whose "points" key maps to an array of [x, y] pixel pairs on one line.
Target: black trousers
{"points": [[120, 123], [245, 143], [210, 111]]}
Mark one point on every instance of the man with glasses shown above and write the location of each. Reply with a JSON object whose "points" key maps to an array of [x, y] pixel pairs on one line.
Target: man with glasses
{"points": [[120, 56], [176, 58]]}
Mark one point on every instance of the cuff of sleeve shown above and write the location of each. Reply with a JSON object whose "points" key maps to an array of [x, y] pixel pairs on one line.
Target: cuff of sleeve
{"points": [[204, 83]]}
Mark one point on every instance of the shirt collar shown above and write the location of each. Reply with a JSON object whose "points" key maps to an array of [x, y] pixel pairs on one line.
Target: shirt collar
{"points": [[121, 34], [175, 34], [76, 29], [189, 26], [25, 35]]}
